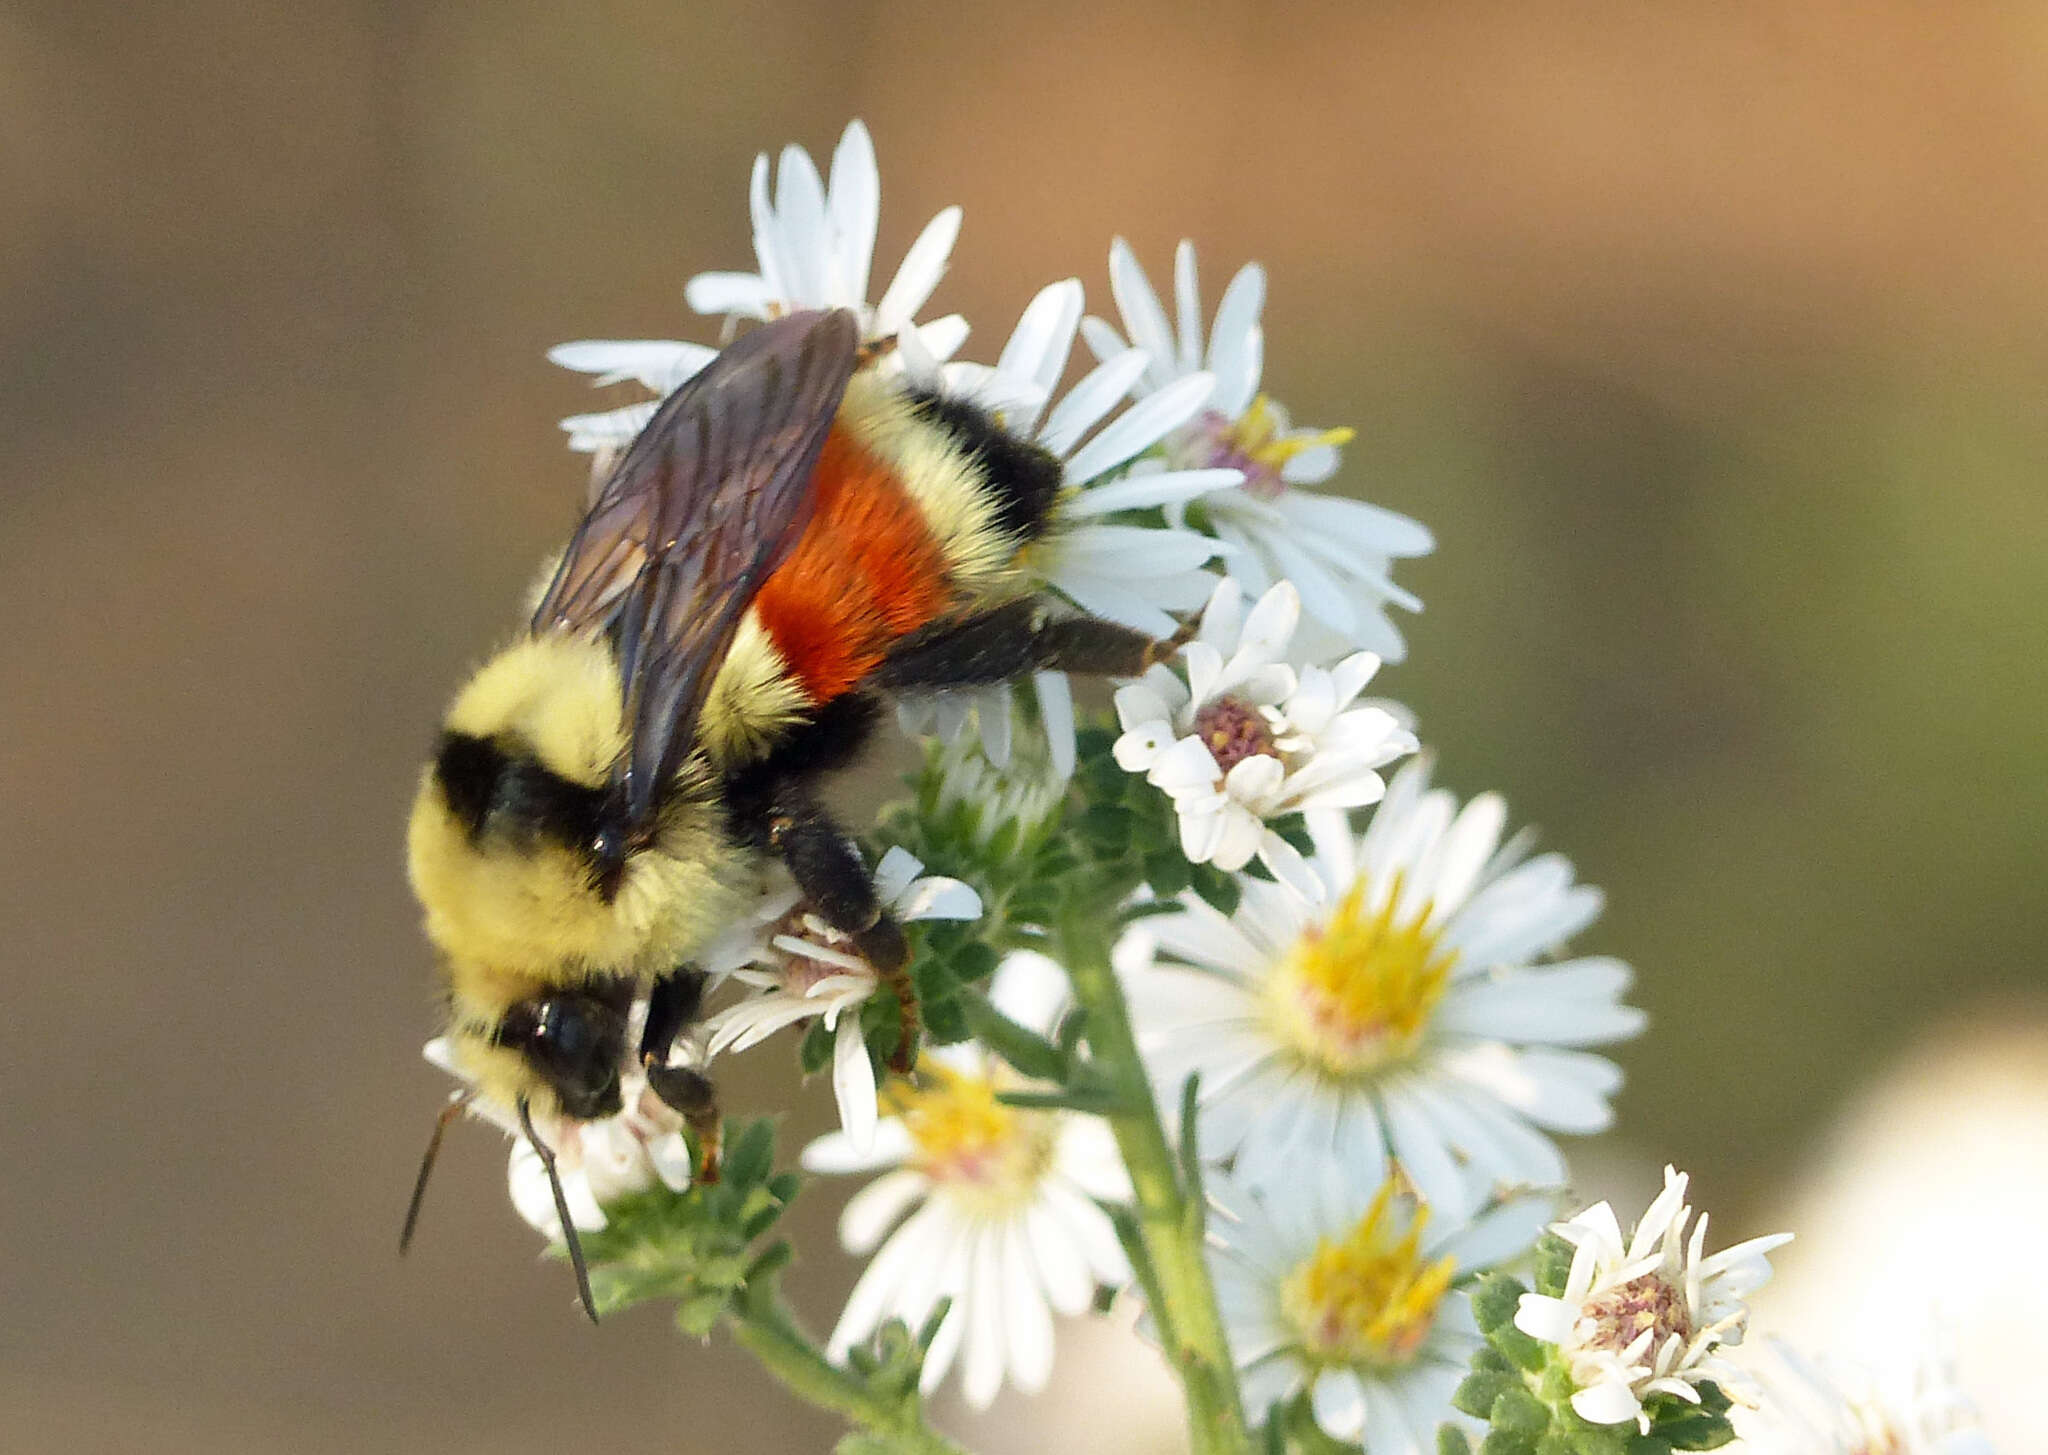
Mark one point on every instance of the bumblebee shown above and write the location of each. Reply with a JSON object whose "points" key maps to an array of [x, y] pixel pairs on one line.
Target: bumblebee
{"points": [[792, 539]]}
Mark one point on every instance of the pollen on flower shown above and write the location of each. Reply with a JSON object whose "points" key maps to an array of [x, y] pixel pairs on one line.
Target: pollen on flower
{"points": [[1233, 730], [1257, 442], [966, 1140], [1619, 1317], [1369, 1298], [1353, 994]]}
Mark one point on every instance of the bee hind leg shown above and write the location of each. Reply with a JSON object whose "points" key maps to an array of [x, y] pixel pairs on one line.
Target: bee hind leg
{"points": [[832, 877], [689, 1091], [1017, 638]]}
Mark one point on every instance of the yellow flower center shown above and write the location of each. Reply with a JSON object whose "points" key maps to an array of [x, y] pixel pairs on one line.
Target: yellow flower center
{"points": [[1253, 443], [1354, 993], [1369, 1298], [965, 1140]]}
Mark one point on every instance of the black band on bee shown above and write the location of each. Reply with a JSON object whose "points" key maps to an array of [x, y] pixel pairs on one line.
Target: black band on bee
{"points": [[1023, 478], [497, 786]]}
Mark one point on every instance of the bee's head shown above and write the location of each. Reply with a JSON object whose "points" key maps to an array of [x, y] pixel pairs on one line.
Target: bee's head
{"points": [[573, 1042]]}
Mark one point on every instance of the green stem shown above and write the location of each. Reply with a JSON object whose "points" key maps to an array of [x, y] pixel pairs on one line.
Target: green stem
{"points": [[764, 1326], [1171, 1229]]}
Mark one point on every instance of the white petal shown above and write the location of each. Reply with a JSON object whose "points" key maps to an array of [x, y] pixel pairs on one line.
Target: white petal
{"points": [[919, 274], [1236, 346], [1544, 1318], [1089, 400], [1187, 303], [1027, 1320], [1140, 427], [1041, 343], [833, 1152], [1056, 715], [1139, 492], [853, 209], [660, 364], [745, 294], [853, 1084], [872, 1211], [1144, 319], [1606, 1403], [800, 210], [1339, 1403], [986, 1353]]}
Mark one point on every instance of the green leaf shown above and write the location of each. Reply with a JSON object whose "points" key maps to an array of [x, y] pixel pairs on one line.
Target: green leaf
{"points": [[1696, 1431], [698, 1315], [1494, 1301], [1026, 1050], [1094, 1101], [1713, 1399], [1450, 1440], [751, 1156], [1520, 1411], [1553, 1264], [1475, 1396], [1507, 1442], [814, 1052]]}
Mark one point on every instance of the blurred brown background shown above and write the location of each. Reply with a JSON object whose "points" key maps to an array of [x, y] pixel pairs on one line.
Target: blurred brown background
{"points": [[1710, 338]]}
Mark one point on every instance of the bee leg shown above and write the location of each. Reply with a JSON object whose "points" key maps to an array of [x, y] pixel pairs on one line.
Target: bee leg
{"points": [[672, 1005], [822, 861], [689, 1091], [1019, 637]]}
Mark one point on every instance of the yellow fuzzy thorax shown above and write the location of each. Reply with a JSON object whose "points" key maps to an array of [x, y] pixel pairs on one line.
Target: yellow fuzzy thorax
{"points": [[513, 920]]}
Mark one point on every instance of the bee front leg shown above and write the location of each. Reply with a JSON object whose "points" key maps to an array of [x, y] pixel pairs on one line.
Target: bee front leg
{"points": [[689, 1091], [832, 877]]}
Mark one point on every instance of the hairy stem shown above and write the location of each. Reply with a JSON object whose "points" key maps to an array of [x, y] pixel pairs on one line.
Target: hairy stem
{"points": [[765, 1327], [1170, 1227]]}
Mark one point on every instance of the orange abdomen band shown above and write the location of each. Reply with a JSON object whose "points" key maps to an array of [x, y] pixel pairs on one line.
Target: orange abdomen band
{"points": [[866, 572]]}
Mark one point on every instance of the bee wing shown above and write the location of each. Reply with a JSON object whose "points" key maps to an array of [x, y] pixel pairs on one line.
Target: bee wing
{"points": [[698, 512]]}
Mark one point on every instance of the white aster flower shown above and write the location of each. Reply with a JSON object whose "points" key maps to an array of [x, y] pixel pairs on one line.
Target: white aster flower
{"points": [[1810, 1408], [810, 971], [1341, 1286], [1407, 1013], [1339, 552], [1249, 737], [1134, 574], [1644, 1316], [814, 244], [599, 1162], [1006, 1222]]}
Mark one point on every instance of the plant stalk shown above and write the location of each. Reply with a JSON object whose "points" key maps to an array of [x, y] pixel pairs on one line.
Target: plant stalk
{"points": [[1199, 1351], [766, 1329]]}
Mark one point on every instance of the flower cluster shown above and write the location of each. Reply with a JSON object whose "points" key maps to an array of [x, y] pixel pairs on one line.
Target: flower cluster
{"points": [[1645, 1316], [1222, 1013]]}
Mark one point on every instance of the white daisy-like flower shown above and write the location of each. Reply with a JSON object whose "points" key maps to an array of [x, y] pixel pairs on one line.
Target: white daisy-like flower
{"points": [[1827, 1408], [1135, 574], [810, 971], [814, 244], [1644, 1316], [599, 1162], [1339, 552], [1406, 1013], [1342, 1286], [1249, 737], [1006, 1222]]}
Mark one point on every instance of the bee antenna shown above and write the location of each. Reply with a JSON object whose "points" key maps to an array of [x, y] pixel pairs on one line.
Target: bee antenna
{"points": [[455, 1107], [569, 1238]]}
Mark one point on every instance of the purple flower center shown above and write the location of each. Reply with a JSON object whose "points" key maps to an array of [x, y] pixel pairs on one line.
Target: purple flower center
{"points": [[1233, 730]]}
